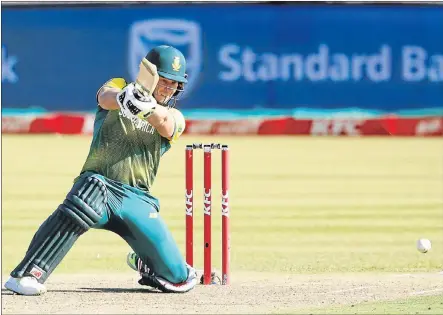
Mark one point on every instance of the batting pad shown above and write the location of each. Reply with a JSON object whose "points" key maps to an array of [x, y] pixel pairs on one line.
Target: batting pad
{"points": [[82, 208]]}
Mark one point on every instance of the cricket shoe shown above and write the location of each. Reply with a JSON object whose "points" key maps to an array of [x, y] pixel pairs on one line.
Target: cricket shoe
{"points": [[149, 278], [136, 263], [25, 286]]}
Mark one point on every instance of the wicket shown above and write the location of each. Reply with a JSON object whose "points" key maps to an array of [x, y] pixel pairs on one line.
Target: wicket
{"points": [[207, 207]]}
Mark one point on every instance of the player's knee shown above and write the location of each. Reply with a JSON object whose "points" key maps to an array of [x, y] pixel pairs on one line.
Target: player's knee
{"points": [[85, 203]]}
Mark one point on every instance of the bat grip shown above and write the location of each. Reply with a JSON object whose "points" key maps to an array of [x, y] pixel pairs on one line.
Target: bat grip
{"points": [[140, 94]]}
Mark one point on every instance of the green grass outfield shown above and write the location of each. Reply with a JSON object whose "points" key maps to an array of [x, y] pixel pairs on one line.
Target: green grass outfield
{"points": [[415, 305], [298, 204]]}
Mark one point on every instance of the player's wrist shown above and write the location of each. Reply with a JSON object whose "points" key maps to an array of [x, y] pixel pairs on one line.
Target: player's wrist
{"points": [[145, 114]]}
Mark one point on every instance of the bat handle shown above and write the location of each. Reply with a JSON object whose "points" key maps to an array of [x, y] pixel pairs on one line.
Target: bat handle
{"points": [[140, 93]]}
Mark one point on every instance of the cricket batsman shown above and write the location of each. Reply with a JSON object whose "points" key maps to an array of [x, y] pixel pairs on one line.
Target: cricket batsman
{"points": [[133, 128]]}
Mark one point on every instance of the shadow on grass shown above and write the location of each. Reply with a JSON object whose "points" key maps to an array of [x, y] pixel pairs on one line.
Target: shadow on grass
{"points": [[95, 290]]}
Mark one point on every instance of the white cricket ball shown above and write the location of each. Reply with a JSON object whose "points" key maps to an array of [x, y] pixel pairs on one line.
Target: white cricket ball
{"points": [[423, 245]]}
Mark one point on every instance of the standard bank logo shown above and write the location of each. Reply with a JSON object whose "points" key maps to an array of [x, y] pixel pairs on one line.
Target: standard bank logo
{"points": [[182, 34], [8, 63]]}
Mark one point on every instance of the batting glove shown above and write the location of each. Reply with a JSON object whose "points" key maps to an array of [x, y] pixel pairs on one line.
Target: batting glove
{"points": [[134, 104]]}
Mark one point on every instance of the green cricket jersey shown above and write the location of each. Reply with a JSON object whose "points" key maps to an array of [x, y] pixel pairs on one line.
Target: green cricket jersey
{"points": [[127, 150]]}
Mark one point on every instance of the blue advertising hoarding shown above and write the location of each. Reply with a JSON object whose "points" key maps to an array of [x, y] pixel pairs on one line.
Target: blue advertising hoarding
{"points": [[239, 56]]}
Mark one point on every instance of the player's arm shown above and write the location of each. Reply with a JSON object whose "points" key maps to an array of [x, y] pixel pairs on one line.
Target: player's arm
{"points": [[169, 123], [107, 98], [107, 94]]}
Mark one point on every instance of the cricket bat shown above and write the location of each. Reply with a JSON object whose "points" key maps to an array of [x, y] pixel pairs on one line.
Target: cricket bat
{"points": [[147, 78]]}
